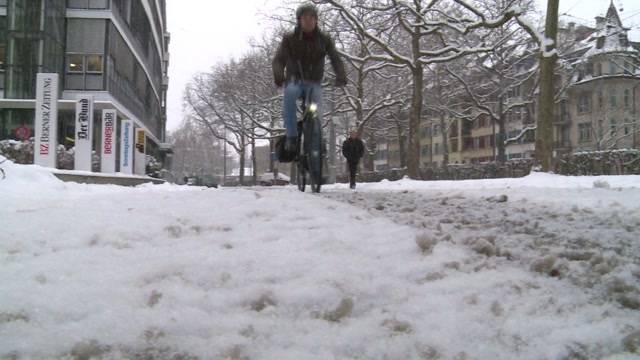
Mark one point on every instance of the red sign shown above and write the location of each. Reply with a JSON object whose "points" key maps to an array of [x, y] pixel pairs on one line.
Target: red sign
{"points": [[23, 133]]}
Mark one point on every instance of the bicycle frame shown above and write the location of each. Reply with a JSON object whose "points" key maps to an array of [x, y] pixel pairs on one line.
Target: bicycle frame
{"points": [[309, 159]]}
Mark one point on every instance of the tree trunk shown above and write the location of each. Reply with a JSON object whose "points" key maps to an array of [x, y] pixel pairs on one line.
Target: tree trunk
{"points": [[242, 163], [272, 150], [500, 139], [415, 114], [224, 164], [402, 144], [368, 159], [445, 140], [544, 133], [254, 162]]}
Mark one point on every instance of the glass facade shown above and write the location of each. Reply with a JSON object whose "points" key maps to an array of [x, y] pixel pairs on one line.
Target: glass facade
{"points": [[26, 48], [24, 36], [88, 4], [84, 64], [54, 36], [129, 84], [90, 54], [132, 13], [31, 41], [3, 52]]}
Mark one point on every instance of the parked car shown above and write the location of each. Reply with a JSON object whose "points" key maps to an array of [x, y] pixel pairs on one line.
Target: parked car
{"points": [[209, 181], [206, 180], [268, 179]]}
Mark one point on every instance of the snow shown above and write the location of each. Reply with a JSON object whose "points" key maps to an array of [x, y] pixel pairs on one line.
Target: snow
{"points": [[535, 180], [97, 174], [270, 176], [396, 270], [540, 37]]}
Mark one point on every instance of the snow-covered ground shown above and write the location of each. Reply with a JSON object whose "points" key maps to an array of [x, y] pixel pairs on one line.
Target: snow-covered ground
{"points": [[544, 267]]}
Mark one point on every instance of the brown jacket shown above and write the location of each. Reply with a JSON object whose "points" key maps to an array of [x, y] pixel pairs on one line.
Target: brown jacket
{"points": [[302, 57]]}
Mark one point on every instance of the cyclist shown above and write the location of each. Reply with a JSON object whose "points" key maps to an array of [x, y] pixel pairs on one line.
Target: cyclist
{"points": [[299, 67]]}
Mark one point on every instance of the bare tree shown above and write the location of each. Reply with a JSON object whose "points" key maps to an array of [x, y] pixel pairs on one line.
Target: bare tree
{"points": [[443, 26], [196, 152], [500, 82]]}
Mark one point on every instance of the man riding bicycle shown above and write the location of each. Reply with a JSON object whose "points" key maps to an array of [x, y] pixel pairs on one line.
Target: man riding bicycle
{"points": [[299, 67]]}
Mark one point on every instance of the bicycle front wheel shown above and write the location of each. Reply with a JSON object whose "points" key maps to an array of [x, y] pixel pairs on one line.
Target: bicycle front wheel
{"points": [[301, 172], [315, 155]]}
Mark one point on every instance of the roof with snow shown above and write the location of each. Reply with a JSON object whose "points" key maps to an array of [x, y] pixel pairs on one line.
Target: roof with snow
{"points": [[609, 36]]}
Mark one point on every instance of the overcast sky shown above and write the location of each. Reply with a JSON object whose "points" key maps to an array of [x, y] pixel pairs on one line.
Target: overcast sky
{"points": [[204, 32]]}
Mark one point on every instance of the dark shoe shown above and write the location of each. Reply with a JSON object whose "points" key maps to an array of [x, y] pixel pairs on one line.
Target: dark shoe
{"points": [[353, 187], [290, 144]]}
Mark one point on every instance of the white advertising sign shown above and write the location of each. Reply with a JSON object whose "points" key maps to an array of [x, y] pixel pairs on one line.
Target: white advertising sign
{"points": [[108, 149], [84, 134], [126, 147], [46, 120]]}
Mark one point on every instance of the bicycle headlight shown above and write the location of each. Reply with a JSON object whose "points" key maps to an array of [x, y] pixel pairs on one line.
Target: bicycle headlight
{"points": [[313, 107]]}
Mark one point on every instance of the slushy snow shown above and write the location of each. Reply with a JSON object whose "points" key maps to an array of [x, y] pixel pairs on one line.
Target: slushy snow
{"points": [[545, 267]]}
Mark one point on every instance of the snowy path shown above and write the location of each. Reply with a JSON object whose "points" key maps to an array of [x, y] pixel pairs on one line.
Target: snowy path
{"points": [[181, 273]]}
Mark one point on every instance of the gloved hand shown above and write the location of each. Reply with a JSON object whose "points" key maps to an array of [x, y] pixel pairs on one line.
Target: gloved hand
{"points": [[279, 82]]}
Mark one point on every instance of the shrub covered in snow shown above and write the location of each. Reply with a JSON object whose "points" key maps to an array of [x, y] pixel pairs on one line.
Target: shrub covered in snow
{"points": [[21, 152], [154, 167], [612, 162]]}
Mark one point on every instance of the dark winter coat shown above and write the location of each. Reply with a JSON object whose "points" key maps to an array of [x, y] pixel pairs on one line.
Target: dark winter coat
{"points": [[309, 51], [353, 150]]}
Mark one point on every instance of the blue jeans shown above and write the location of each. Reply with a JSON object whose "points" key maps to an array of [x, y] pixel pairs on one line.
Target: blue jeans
{"points": [[292, 92]]}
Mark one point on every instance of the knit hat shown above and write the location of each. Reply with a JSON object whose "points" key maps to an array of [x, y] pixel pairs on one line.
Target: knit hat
{"points": [[305, 8]]}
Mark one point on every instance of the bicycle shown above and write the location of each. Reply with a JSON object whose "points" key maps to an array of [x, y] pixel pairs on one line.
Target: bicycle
{"points": [[310, 154]]}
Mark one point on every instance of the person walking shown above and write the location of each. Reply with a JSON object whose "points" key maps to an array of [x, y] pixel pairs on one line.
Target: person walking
{"points": [[353, 150]]}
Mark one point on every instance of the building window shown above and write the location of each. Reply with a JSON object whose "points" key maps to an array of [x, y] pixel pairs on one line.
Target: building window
{"points": [[584, 131], [584, 103], [84, 72], [600, 100], [513, 92], [454, 145], [436, 149], [87, 4], [469, 144], [529, 137], [599, 69], [482, 122], [627, 98], [75, 64], [613, 68], [613, 99], [94, 64], [480, 142]]}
